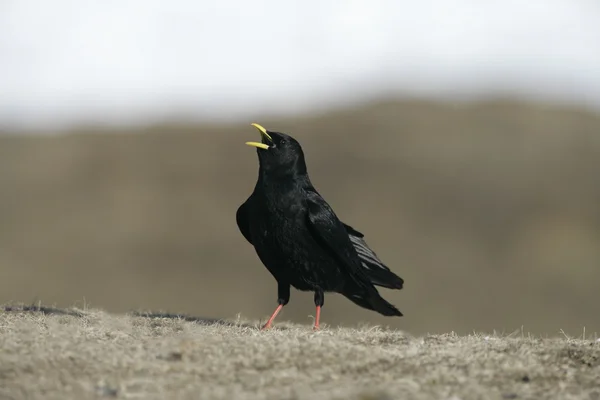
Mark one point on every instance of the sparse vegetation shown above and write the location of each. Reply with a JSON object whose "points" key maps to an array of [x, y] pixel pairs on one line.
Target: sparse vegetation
{"points": [[89, 354]]}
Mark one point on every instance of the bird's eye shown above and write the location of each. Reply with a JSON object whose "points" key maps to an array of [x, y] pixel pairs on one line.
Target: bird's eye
{"points": [[282, 141]]}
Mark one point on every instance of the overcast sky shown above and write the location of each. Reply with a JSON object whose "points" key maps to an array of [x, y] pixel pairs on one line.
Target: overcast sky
{"points": [[138, 60]]}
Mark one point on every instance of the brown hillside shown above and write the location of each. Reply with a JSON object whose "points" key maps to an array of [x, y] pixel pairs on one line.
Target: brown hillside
{"points": [[490, 212]]}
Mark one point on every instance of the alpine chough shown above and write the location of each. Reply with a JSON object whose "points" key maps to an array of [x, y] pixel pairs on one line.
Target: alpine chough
{"points": [[299, 238]]}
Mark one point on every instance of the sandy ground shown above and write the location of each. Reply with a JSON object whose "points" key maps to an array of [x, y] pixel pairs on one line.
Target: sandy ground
{"points": [[89, 354]]}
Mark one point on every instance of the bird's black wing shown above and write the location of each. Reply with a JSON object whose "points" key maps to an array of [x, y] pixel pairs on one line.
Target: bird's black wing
{"points": [[376, 270], [331, 234], [241, 217]]}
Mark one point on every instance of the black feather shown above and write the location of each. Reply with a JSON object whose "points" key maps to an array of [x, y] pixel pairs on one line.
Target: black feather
{"points": [[376, 270]]}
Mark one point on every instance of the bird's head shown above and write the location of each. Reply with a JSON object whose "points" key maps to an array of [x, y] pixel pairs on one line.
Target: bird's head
{"points": [[279, 153]]}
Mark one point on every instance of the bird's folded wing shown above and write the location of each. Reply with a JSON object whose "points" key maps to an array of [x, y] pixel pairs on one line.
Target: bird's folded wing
{"points": [[331, 234], [379, 274], [339, 238], [367, 256]]}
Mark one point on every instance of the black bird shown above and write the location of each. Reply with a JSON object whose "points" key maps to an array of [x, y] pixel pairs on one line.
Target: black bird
{"points": [[299, 238]]}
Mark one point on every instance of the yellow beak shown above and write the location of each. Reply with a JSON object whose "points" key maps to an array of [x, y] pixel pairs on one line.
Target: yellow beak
{"points": [[256, 144], [262, 130], [264, 133]]}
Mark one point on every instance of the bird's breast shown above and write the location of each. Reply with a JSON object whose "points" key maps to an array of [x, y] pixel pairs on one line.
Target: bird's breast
{"points": [[278, 224]]}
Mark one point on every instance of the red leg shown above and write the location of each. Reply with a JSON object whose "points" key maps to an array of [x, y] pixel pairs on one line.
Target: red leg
{"points": [[316, 327], [270, 321]]}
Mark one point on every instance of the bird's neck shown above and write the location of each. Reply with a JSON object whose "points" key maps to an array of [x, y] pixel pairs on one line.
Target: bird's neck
{"points": [[295, 168], [282, 180], [292, 171]]}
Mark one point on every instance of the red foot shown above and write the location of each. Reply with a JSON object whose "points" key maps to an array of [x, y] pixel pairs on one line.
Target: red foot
{"points": [[270, 321]]}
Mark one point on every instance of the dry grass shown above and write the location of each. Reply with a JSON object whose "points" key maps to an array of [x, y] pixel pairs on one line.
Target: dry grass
{"points": [[75, 354]]}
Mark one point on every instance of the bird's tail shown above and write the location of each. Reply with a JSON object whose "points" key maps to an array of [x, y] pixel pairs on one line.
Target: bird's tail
{"points": [[372, 300]]}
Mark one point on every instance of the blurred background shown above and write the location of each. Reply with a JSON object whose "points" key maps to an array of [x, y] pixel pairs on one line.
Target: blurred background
{"points": [[462, 138]]}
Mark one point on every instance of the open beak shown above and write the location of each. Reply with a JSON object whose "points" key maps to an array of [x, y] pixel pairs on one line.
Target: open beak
{"points": [[264, 134]]}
